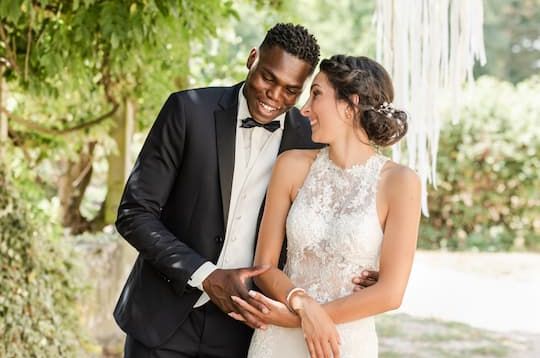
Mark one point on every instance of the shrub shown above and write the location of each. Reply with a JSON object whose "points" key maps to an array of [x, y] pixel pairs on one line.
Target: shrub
{"points": [[488, 172], [38, 289]]}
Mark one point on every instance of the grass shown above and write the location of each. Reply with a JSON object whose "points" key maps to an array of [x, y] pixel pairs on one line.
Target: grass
{"points": [[403, 336]]}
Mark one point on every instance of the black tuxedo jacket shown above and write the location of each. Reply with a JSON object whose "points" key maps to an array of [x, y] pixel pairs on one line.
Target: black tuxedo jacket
{"points": [[175, 205]]}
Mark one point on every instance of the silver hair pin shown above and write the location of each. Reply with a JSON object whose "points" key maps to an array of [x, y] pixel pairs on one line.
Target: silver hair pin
{"points": [[386, 109]]}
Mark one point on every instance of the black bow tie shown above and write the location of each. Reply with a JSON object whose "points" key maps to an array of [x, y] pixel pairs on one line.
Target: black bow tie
{"points": [[250, 123]]}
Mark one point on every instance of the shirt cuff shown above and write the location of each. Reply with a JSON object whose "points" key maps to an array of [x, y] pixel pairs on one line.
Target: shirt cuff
{"points": [[201, 274]]}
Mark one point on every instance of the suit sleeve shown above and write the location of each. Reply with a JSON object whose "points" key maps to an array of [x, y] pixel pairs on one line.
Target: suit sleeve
{"points": [[147, 191]]}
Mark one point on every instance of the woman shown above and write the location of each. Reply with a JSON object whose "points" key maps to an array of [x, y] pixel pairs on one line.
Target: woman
{"points": [[343, 208]]}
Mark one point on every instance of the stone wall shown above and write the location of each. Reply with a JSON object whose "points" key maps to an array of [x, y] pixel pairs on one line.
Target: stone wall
{"points": [[107, 261]]}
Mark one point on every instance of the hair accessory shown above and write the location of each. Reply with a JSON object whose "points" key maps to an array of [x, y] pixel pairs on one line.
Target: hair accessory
{"points": [[386, 109]]}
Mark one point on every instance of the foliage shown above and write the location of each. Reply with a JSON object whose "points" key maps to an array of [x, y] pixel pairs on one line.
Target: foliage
{"points": [[38, 281], [343, 28], [71, 51], [46, 38], [347, 28], [71, 66], [220, 60], [489, 171], [512, 39]]}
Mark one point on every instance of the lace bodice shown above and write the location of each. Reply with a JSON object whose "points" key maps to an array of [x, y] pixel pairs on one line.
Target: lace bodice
{"points": [[333, 229]]}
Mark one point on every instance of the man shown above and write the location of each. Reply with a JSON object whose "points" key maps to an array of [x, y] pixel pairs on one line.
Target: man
{"points": [[191, 203]]}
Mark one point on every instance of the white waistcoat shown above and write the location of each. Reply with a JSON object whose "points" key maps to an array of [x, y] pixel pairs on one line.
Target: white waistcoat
{"points": [[250, 181]]}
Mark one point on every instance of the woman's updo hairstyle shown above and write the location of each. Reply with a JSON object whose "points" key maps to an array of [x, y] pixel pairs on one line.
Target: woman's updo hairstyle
{"points": [[366, 78]]}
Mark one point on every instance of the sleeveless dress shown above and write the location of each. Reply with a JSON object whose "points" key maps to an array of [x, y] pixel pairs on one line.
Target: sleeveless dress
{"points": [[333, 232]]}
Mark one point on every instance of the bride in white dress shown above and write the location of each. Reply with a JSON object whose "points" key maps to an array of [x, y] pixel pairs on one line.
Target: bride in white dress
{"points": [[343, 208]]}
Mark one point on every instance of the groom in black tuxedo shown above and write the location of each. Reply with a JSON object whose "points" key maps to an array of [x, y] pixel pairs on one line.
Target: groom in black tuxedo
{"points": [[192, 203]]}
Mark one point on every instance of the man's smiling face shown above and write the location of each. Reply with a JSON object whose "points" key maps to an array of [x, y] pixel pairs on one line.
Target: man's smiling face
{"points": [[274, 82]]}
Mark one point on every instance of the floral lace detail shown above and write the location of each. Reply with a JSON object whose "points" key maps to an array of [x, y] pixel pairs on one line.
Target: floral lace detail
{"points": [[333, 229], [358, 340]]}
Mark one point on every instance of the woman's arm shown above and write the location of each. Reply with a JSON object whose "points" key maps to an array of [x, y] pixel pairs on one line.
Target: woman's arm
{"points": [[320, 332], [289, 172], [401, 192]]}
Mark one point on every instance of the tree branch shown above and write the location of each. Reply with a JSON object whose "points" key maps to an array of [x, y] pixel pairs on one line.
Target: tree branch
{"points": [[28, 45], [11, 58], [106, 78], [84, 172], [52, 131]]}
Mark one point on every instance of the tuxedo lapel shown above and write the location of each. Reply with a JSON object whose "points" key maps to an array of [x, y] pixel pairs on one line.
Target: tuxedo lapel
{"points": [[290, 133], [297, 133], [225, 119]]}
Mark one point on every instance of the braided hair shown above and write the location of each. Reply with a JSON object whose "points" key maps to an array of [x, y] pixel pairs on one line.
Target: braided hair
{"points": [[366, 78], [294, 39]]}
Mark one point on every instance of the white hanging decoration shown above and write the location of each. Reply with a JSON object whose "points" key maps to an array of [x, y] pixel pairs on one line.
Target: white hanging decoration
{"points": [[429, 48]]}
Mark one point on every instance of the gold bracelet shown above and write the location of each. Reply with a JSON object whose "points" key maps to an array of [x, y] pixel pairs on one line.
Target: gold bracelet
{"points": [[293, 291]]}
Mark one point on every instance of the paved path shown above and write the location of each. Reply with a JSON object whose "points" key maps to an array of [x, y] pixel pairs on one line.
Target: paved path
{"points": [[495, 291], [492, 291]]}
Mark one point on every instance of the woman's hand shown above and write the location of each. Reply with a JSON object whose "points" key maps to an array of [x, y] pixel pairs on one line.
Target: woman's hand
{"points": [[273, 312], [320, 332]]}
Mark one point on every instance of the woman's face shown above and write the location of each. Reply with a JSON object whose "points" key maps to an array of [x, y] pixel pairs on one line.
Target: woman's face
{"points": [[326, 113]]}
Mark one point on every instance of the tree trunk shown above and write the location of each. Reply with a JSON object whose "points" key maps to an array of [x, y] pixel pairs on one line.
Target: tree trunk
{"points": [[3, 118], [77, 174], [119, 161], [71, 188]]}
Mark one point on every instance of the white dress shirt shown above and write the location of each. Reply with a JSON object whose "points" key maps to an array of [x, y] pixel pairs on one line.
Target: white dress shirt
{"points": [[256, 150]]}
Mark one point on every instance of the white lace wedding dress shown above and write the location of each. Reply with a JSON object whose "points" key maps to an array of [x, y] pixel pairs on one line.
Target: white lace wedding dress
{"points": [[333, 231]]}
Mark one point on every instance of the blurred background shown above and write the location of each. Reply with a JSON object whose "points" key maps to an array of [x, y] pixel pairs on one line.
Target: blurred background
{"points": [[82, 81]]}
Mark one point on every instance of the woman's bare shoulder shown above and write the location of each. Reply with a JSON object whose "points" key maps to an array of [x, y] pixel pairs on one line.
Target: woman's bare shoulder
{"points": [[397, 177], [293, 166], [297, 158]]}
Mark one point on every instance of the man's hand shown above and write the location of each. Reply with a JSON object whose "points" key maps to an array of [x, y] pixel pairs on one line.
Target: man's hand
{"points": [[222, 284], [367, 278]]}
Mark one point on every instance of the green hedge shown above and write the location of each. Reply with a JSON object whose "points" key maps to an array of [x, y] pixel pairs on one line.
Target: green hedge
{"points": [[489, 172], [38, 282]]}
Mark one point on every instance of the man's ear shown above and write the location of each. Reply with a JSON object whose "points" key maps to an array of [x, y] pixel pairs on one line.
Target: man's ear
{"points": [[252, 58]]}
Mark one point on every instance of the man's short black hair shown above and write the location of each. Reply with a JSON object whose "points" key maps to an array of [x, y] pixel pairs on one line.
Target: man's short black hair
{"points": [[294, 39]]}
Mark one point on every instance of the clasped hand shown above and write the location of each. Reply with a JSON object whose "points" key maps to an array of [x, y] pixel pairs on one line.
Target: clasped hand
{"points": [[320, 333], [223, 284], [227, 288]]}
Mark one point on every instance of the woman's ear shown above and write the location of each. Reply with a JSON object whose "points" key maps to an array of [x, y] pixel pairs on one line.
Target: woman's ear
{"points": [[352, 108], [355, 99], [349, 113]]}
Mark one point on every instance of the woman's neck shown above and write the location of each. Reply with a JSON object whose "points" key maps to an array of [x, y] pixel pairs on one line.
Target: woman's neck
{"points": [[351, 150]]}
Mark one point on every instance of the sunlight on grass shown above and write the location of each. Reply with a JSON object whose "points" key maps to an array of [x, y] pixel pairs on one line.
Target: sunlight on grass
{"points": [[402, 335]]}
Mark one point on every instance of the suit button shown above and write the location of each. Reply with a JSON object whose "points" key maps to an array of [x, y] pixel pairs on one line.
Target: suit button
{"points": [[219, 239]]}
